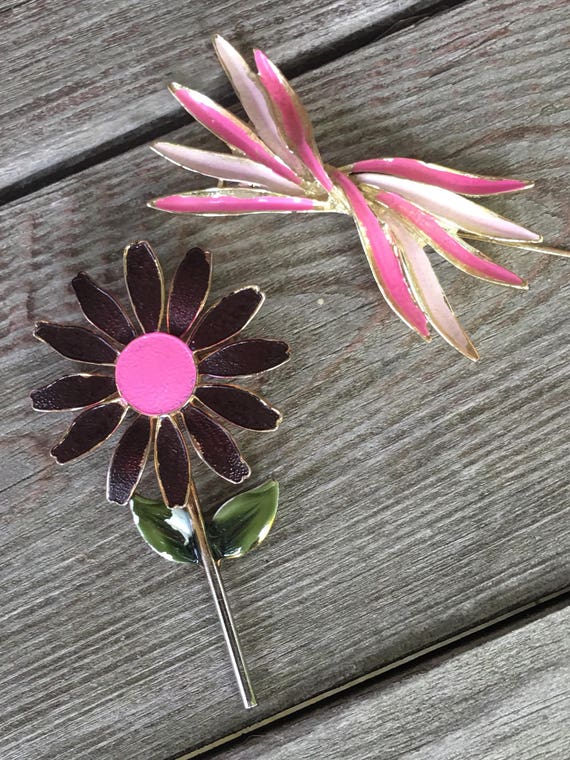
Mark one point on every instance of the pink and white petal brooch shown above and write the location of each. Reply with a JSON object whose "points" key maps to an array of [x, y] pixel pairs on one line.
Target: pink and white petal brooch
{"points": [[400, 205]]}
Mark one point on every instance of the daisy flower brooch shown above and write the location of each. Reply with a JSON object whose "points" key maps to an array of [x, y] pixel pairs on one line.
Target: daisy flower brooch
{"points": [[171, 373], [400, 206]]}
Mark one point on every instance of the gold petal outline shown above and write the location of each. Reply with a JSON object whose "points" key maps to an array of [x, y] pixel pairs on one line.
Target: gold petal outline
{"points": [[80, 361], [110, 397], [471, 352], [321, 206], [199, 452], [174, 419], [298, 167], [94, 448], [239, 160], [238, 123], [203, 352], [160, 276], [533, 247], [528, 183], [200, 375], [197, 316], [371, 190], [143, 464], [197, 401], [427, 240], [384, 290], [112, 298]]}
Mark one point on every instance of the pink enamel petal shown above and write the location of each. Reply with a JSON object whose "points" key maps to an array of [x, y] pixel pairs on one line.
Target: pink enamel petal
{"points": [[225, 166], [382, 258], [230, 129], [429, 292], [229, 201], [440, 176], [457, 251], [459, 211], [255, 101], [295, 120]]}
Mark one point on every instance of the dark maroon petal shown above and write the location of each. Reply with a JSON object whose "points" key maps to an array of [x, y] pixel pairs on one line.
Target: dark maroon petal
{"points": [[76, 343], [239, 406], [72, 392], [128, 461], [247, 357], [227, 317], [189, 290], [215, 446], [89, 429], [102, 310], [172, 463], [145, 284]]}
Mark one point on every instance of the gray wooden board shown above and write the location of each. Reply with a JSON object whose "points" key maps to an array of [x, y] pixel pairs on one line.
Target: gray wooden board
{"points": [[76, 76], [506, 699], [421, 494]]}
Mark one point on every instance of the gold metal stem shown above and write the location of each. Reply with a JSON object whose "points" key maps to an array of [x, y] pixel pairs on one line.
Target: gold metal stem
{"points": [[218, 592], [536, 247]]}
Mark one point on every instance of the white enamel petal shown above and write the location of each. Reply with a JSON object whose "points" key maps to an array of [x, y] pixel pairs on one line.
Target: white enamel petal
{"points": [[460, 211], [254, 101], [226, 166], [428, 291]]}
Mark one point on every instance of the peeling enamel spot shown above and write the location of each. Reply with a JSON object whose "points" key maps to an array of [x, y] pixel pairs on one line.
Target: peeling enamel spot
{"points": [[180, 521]]}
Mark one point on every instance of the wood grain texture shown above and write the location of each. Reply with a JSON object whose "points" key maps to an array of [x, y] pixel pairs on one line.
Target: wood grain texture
{"points": [[420, 493], [507, 698], [78, 77]]}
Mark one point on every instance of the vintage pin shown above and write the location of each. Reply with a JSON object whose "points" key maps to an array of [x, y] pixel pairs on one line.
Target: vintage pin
{"points": [[400, 205], [171, 373]]}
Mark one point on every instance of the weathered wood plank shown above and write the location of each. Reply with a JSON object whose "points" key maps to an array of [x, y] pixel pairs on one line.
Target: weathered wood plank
{"points": [[420, 493], [508, 697], [76, 76]]}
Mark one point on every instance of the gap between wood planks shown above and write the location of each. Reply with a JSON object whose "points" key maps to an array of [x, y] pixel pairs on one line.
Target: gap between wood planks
{"points": [[163, 125], [452, 645]]}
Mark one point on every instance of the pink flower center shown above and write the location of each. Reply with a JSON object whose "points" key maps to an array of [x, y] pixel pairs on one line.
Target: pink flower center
{"points": [[156, 373]]}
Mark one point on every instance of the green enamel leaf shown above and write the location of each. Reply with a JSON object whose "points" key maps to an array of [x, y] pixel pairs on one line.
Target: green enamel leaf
{"points": [[167, 531], [241, 523]]}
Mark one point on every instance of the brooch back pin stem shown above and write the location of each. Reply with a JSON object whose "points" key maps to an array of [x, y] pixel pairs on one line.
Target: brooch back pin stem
{"points": [[214, 578]]}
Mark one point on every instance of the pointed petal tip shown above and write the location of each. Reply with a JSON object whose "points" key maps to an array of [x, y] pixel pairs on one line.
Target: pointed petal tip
{"points": [[160, 204], [261, 59], [166, 149], [137, 243], [218, 40], [467, 350], [174, 87], [245, 476], [473, 355], [53, 454], [112, 499]]}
